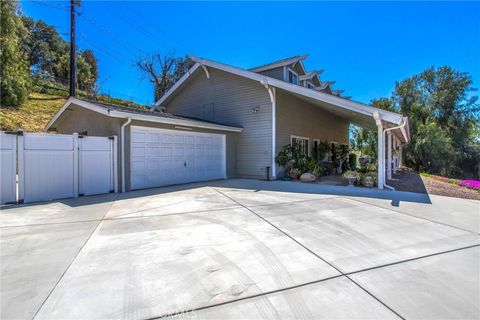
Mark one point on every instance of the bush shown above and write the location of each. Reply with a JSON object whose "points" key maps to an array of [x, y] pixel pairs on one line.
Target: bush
{"points": [[352, 161]]}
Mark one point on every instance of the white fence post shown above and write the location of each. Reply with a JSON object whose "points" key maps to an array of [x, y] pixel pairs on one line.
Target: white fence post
{"points": [[75, 165], [115, 166], [21, 167]]}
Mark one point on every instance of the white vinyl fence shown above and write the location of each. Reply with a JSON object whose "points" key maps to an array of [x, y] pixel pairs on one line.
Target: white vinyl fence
{"points": [[8, 167], [56, 166]]}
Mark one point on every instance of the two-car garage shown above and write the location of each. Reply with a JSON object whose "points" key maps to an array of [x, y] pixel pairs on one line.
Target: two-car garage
{"points": [[161, 157], [155, 148]]}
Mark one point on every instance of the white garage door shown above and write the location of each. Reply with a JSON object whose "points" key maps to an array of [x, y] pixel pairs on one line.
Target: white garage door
{"points": [[161, 157]]}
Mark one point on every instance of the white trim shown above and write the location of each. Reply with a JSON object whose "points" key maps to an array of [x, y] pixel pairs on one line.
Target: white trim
{"points": [[302, 138], [124, 167], [388, 116], [115, 163], [274, 133], [134, 116], [190, 133], [278, 64], [179, 83], [295, 73]]}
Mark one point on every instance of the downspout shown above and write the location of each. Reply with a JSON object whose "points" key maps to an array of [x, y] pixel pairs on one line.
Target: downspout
{"points": [[272, 94], [403, 123], [122, 130]]}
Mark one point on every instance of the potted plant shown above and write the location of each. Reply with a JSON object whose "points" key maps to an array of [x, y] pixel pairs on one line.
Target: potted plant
{"points": [[295, 173], [351, 176], [369, 179]]}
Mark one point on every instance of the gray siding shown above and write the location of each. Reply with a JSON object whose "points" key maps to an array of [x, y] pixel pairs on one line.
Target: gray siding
{"points": [[229, 99], [276, 73], [297, 117]]}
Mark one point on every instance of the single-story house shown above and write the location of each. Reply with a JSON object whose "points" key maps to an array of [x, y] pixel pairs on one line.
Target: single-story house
{"points": [[220, 121]]}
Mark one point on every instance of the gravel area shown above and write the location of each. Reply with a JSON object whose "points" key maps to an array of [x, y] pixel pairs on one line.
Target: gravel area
{"points": [[411, 181]]}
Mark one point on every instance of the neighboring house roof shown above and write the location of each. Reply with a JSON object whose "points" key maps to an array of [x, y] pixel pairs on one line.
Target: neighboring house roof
{"points": [[356, 112], [279, 63], [118, 111]]}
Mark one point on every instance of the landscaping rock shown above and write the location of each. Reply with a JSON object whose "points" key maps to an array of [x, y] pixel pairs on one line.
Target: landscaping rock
{"points": [[308, 177]]}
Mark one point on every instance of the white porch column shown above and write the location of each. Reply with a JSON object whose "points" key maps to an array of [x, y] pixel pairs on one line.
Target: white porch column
{"points": [[380, 151], [400, 155], [389, 156]]}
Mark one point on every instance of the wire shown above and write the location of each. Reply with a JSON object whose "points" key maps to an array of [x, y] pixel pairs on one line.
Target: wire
{"points": [[117, 56], [136, 25], [110, 33], [47, 4]]}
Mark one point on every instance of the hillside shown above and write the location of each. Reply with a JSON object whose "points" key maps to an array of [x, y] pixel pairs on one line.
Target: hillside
{"points": [[33, 115], [39, 108]]}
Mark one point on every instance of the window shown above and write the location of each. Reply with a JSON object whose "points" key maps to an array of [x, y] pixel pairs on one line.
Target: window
{"points": [[301, 142], [315, 149], [310, 85], [292, 76]]}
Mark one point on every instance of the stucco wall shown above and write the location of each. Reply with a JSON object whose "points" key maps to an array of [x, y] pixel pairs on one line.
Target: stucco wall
{"points": [[82, 120]]}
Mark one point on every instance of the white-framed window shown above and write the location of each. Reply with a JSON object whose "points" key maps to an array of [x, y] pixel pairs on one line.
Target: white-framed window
{"points": [[310, 85], [302, 143], [292, 76]]}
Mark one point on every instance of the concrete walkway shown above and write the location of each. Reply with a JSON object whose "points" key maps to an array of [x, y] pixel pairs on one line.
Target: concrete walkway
{"points": [[242, 249]]}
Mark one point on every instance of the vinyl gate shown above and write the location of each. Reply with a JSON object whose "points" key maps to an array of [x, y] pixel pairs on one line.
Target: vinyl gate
{"points": [[8, 167], [55, 166]]}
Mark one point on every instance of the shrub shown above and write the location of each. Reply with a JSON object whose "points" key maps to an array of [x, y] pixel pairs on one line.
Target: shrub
{"points": [[352, 161]]}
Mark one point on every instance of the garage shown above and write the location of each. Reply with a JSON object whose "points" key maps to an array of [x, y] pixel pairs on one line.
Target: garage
{"points": [[162, 157]]}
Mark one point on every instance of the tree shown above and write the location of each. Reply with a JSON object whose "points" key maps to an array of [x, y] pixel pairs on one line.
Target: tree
{"points": [[365, 140], [163, 71], [91, 61], [45, 47], [442, 98], [14, 74]]}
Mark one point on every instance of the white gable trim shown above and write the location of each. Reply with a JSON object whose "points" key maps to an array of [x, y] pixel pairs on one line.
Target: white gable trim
{"points": [[279, 64], [142, 117], [180, 82]]}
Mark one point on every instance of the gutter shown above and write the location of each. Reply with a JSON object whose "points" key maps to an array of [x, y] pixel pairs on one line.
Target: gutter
{"points": [[122, 130]]}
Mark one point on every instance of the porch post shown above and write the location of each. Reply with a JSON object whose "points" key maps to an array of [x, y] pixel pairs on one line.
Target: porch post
{"points": [[389, 156], [380, 151], [400, 155]]}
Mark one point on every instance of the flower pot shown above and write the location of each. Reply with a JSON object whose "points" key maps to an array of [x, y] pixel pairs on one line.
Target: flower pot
{"points": [[351, 181], [368, 181]]}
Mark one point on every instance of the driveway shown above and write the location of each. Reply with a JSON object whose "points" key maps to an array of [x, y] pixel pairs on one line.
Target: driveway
{"points": [[242, 249]]}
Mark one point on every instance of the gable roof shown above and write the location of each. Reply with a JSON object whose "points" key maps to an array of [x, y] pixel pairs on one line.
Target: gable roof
{"points": [[279, 63], [112, 110], [330, 102]]}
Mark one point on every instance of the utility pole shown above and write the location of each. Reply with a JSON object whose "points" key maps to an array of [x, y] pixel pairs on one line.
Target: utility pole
{"points": [[73, 50]]}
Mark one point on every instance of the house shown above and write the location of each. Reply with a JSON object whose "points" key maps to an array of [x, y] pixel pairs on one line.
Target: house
{"points": [[220, 121]]}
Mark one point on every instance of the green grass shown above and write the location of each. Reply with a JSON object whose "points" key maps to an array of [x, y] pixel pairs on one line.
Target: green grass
{"points": [[41, 106], [440, 178], [33, 115]]}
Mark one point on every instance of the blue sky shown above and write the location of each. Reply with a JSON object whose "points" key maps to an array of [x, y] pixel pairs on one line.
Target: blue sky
{"points": [[364, 46]]}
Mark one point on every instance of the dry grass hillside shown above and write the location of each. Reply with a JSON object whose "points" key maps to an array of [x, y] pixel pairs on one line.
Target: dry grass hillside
{"points": [[33, 115]]}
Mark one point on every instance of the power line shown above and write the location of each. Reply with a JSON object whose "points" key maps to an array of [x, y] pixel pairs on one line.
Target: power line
{"points": [[110, 33], [48, 4], [117, 56], [138, 26]]}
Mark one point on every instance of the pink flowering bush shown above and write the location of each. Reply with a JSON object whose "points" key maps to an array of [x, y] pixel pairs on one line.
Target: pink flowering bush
{"points": [[473, 184]]}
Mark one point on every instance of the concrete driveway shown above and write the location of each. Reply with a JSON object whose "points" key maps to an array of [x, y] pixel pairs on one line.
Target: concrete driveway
{"points": [[242, 249]]}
